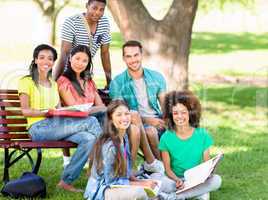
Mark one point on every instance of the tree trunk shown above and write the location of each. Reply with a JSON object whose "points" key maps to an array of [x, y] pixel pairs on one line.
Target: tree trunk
{"points": [[166, 42]]}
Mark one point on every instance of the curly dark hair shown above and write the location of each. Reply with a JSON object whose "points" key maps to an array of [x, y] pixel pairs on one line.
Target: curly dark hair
{"points": [[189, 100]]}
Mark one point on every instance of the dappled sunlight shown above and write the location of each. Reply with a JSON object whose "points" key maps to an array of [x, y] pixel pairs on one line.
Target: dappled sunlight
{"points": [[227, 42], [229, 149]]}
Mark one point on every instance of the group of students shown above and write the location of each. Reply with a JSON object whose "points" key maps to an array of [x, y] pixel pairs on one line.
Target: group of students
{"points": [[142, 114]]}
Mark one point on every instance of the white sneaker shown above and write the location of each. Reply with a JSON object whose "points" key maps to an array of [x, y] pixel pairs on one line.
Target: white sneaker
{"points": [[66, 161], [156, 166], [203, 197]]}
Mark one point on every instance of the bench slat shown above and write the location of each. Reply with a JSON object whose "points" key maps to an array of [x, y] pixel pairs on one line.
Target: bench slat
{"points": [[14, 136], [13, 121], [10, 113], [40, 144], [10, 104], [46, 144], [13, 129], [9, 97], [10, 91]]}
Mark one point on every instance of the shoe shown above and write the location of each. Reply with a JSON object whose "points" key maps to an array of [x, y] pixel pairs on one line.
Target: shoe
{"points": [[165, 196], [203, 197], [68, 187], [156, 167]]}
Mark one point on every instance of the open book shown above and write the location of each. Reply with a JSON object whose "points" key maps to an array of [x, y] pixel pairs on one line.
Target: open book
{"points": [[200, 173], [149, 191], [81, 107]]}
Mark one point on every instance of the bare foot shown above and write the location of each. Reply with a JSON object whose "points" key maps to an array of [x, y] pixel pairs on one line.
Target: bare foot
{"points": [[68, 187]]}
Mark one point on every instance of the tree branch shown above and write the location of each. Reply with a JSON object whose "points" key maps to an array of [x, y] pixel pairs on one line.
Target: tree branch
{"points": [[178, 12], [130, 14], [61, 7], [40, 4]]}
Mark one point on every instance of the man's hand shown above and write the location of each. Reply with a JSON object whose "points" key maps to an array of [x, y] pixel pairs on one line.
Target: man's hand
{"points": [[156, 122]]}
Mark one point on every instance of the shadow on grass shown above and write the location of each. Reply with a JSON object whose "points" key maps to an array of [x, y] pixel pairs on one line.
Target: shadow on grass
{"points": [[207, 43], [243, 96]]}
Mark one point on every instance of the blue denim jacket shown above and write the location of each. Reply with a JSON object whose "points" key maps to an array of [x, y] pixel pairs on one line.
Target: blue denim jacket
{"points": [[122, 87], [97, 183]]}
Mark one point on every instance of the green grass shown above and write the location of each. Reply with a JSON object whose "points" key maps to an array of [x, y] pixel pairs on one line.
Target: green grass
{"points": [[226, 54], [211, 43], [117, 40], [236, 116], [216, 43]]}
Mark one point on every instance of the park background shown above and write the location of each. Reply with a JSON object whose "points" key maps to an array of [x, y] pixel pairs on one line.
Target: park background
{"points": [[228, 70]]}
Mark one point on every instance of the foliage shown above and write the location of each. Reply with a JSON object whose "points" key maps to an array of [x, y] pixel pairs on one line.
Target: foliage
{"points": [[51, 10], [207, 5]]}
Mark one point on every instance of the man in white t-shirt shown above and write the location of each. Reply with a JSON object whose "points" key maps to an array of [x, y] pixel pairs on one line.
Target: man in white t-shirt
{"points": [[143, 89]]}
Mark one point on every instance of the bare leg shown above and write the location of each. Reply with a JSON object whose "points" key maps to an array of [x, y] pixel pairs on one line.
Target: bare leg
{"points": [[144, 144], [134, 137], [152, 135]]}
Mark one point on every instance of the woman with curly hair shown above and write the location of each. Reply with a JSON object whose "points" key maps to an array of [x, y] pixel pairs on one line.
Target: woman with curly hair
{"points": [[185, 145]]}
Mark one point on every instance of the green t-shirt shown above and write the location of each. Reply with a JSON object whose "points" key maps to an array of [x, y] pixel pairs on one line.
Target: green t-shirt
{"points": [[185, 154]]}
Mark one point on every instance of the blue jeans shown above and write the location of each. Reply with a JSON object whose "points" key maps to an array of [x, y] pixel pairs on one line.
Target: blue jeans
{"points": [[83, 131], [100, 117]]}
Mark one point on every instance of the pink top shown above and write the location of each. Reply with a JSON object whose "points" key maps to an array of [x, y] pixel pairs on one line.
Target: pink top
{"points": [[64, 84]]}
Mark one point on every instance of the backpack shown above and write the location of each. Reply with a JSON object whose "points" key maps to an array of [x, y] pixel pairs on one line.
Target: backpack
{"points": [[29, 185]]}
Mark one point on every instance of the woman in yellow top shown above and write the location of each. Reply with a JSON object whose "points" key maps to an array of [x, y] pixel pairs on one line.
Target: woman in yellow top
{"points": [[37, 92]]}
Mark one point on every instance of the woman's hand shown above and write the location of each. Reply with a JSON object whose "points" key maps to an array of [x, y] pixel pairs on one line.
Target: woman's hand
{"points": [[179, 184], [145, 183], [149, 183]]}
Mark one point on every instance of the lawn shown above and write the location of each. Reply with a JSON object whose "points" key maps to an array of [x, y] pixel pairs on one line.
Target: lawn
{"points": [[236, 116]]}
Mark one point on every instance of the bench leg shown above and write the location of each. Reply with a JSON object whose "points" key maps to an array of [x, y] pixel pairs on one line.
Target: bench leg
{"points": [[36, 167], [6, 165], [25, 152]]}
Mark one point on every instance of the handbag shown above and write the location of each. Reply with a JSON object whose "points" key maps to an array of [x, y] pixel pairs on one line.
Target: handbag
{"points": [[29, 185]]}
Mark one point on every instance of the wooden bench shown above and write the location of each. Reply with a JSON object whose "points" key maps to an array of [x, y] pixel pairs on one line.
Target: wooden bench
{"points": [[14, 138]]}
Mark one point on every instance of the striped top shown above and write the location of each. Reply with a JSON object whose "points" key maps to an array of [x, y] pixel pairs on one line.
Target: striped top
{"points": [[75, 32]]}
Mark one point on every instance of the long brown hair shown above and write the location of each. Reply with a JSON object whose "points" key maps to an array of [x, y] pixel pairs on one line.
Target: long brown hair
{"points": [[85, 75], [110, 133]]}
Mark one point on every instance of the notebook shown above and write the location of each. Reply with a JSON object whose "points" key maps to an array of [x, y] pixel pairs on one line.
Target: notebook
{"points": [[200, 173]]}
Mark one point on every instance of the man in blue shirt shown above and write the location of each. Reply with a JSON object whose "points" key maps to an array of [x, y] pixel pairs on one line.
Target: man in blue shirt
{"points": [[143, 89]]}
